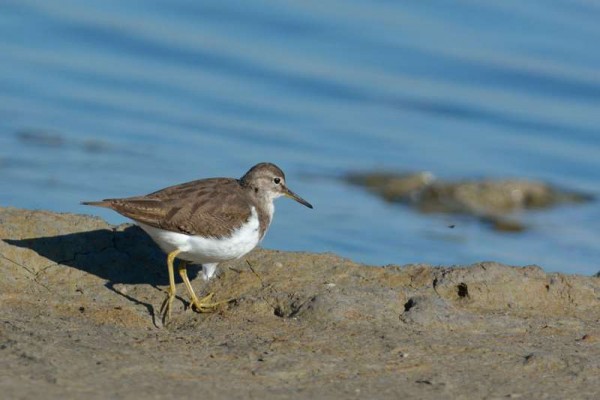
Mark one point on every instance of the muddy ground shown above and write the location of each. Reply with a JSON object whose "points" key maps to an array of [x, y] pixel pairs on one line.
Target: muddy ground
{"points": [[79, 297]]}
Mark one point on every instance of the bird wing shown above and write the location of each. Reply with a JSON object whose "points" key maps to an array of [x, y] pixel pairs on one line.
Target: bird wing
{"points": [[209, 207]]}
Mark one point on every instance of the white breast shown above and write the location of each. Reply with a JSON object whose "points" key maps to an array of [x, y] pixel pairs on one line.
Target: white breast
{"points": [[203, 250]]}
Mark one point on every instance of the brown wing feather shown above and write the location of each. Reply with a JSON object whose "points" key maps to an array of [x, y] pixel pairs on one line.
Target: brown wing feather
{"points": [[208, 207]]}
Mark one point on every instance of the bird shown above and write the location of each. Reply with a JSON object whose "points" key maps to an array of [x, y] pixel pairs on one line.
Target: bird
{"points": [[206, 221]]}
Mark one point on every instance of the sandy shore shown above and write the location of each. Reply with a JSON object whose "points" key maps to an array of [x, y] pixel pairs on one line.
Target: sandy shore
{"points": [[78, 299]]}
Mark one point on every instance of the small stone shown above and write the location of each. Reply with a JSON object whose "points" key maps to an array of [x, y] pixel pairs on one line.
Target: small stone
{"points": [[120, 288]]}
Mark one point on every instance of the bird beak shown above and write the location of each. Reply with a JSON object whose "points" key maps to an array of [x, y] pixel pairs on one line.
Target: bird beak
{"points": [[294, 196]]}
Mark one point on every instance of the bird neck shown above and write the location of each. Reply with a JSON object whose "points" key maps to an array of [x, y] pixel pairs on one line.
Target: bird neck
{"points": [[264, 207]]}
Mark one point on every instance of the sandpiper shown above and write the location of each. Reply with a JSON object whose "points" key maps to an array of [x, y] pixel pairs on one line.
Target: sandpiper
{"points": [[206, 221]]}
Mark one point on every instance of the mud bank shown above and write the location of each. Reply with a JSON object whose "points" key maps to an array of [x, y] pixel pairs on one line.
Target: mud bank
{"points": [[78, 299]]}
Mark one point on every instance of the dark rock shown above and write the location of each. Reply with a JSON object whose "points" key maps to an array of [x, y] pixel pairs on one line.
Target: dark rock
{"points": [[491, 201]]}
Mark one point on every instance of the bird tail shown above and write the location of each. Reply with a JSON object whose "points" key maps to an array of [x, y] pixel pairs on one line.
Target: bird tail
{"points": [[103, 203]]}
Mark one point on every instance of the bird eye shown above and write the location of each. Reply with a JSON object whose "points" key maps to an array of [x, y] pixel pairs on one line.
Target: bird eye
{"points": [[277, 180]]}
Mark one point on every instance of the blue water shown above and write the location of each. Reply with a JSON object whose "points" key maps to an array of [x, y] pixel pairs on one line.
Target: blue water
{"points": [[144, 94]]}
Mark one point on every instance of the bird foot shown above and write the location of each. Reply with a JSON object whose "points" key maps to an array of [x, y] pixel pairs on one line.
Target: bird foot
{"points": [[165, 308], [204, 305]]}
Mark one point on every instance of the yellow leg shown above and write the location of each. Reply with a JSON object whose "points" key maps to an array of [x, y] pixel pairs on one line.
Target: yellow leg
{"points": [[165, 309], [202, 305]]}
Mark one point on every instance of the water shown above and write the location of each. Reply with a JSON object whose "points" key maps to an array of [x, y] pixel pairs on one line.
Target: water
{"points": [[144, 94]]}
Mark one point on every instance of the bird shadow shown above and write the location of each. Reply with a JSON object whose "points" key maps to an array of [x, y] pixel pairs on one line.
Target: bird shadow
{"points": [[124, 255]]}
